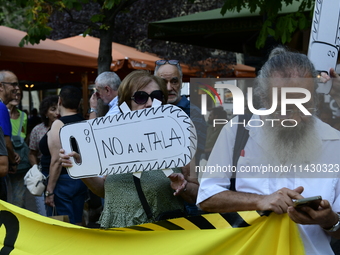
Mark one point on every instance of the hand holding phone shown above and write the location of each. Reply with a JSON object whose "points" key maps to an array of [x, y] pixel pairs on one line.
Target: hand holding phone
{"points": [[312, 202]]}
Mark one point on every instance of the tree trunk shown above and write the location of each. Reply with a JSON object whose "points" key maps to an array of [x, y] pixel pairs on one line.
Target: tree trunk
{"points": [[105, 45], [106, 35]]}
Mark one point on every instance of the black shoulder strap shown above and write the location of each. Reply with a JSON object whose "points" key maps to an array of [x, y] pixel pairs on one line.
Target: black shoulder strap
{"points": [[242, 136], [142, 197]]}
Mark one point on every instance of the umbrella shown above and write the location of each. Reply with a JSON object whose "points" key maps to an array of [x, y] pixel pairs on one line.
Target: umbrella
{"points": [[120, 54], [48, 61], [233, 31]]}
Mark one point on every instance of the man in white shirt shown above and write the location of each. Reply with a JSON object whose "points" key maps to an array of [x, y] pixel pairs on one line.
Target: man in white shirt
{"points": [[107, 84], [303, 159]]}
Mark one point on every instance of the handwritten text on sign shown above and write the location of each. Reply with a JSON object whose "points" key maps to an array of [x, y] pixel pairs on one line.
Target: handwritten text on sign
{"points": [[149, 139]]}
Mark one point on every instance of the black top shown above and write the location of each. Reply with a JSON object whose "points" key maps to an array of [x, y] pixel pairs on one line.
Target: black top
{"points": [[43, 146], [3, 152]]}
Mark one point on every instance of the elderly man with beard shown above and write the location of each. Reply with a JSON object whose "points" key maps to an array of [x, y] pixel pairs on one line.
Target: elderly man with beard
{"points": [[106, 84], [307, 142]]}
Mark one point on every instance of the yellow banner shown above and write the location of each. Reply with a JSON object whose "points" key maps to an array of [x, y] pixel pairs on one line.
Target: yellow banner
{"points": [[25, 232]]}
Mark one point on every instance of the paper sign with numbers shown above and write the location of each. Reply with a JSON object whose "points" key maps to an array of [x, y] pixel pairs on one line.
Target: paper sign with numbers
{"points": [[324, 39]]}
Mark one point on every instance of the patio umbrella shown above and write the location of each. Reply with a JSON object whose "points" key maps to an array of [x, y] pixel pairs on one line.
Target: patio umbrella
{"points": [[48, 61], [120, 54]]}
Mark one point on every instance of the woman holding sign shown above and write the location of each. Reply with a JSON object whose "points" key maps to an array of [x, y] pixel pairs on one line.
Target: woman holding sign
{"points": [[130, 200]]}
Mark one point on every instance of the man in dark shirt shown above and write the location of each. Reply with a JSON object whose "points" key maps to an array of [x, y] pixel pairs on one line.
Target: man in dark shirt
{"points": [[171, 72]]}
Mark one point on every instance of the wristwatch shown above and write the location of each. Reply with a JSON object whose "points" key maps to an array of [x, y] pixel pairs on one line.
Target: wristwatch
{"points": [[336, 226], [92, 110], [47, 193]]}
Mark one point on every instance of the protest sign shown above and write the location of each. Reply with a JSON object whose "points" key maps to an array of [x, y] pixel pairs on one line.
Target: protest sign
{"points": [[143, 140], [324, 39]]}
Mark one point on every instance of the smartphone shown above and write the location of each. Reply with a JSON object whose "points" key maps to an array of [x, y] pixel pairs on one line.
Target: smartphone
{"points": [[312, 202]]}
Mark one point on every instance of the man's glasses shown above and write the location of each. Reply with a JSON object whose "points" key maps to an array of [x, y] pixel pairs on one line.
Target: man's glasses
{"points": [[14, 84], [163, 62], [141, 97]]}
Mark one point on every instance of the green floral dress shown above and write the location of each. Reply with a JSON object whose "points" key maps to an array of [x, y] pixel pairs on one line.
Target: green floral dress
{"points": [[122, 206]]}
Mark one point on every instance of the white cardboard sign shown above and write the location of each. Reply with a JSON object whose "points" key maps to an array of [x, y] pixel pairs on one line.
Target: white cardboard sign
{"points": [[143, 140], [324, 39]]}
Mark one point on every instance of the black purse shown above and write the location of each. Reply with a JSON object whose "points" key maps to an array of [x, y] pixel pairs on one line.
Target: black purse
{"points": [[163, 215]]}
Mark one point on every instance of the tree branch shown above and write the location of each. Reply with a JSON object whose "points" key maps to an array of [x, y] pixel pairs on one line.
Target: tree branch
{"points": [[83, 22], [122, 5]]}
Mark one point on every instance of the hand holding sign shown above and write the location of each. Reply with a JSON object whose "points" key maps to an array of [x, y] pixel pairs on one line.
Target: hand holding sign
{"points": [[148, 139], [324, 40]]}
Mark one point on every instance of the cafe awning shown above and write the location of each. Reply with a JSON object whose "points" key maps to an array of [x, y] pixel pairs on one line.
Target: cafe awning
{"points": [[121, 54], [235, 31], [48, 61]]}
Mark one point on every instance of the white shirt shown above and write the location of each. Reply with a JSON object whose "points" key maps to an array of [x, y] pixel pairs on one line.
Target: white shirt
{"points": [[315, 240], [113, 107]]}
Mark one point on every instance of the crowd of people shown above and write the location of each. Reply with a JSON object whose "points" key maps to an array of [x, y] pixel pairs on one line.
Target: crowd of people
{"points": [[129, 200]]}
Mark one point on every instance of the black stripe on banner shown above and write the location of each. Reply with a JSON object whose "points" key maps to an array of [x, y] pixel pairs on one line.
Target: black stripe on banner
{"points": [[138, 228], [168, 225], [235, 220], [264, 213], [201, 222]]}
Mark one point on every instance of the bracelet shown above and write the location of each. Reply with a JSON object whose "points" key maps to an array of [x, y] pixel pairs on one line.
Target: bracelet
{"points": [[92, 110], [335, 227], [47, 194]]}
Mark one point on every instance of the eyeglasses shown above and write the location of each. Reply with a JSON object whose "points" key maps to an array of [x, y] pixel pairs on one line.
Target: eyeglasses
{"points": [[141, 97], [14, 84], [290, 113], [163, 62]]}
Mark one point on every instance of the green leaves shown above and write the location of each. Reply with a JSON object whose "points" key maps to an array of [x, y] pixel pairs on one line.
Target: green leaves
{"points": [[109, 4], [97, 18], [35, 34], [280, 27]]}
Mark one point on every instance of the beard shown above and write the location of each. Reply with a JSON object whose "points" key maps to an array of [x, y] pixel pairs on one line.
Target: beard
{"points": [[102, 108], [298, 145]]}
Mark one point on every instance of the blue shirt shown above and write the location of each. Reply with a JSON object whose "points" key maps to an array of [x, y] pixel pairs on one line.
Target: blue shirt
{"points": [[5, 122]]}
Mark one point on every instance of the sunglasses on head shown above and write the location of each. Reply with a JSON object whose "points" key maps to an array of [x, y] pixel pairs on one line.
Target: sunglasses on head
{"points": [[163, 62], [141, 97]]}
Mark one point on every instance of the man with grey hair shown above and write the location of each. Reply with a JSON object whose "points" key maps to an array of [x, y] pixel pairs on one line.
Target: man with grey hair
{"points": [[171, 72], [294, 149], [106, 85], [8, 88]]}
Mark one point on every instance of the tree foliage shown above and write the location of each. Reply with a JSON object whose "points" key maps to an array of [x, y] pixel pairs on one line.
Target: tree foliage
{"points": [[131, 28], [11, 15], [38, 13], [126, 21], [280, 27]]}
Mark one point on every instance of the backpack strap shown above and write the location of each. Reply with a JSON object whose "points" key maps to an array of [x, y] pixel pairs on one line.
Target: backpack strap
{"points": [[142, 197], [242, 136], [21, 114]]}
